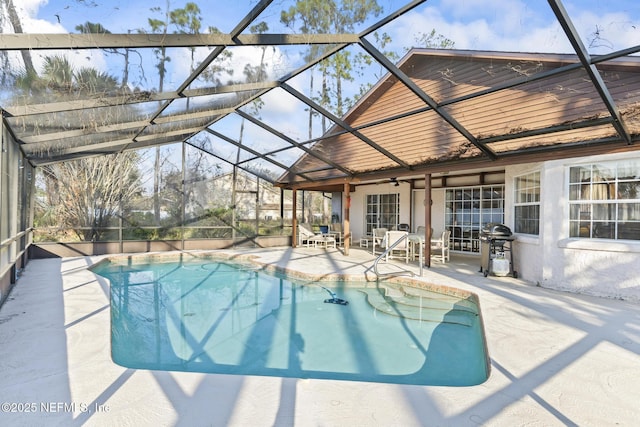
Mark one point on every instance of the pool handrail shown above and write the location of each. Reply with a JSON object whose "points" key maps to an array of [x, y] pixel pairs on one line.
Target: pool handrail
{"points": [[374, 266]]}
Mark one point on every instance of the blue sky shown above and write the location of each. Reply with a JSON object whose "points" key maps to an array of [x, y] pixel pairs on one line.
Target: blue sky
{"points": [[514, 25], [481, 23], [124, 15]]}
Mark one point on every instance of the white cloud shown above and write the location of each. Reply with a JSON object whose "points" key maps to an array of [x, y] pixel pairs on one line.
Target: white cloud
{"points": [[608, 32], [27, 11], [29, 7], [515, 26]]}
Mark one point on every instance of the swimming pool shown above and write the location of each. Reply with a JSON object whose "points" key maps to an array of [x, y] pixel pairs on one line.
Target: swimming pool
{"points": [[213, 316]]}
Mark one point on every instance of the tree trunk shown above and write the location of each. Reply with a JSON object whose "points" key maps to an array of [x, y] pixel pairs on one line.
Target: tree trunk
{"points": [[17, 27]]}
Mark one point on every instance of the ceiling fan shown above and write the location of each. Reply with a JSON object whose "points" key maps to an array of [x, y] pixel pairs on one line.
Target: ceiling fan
{"points": [[394, 181]]}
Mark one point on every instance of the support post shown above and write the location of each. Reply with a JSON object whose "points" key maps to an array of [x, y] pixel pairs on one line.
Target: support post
{"points": [[345, 227], [427, 220], [294, 219]]}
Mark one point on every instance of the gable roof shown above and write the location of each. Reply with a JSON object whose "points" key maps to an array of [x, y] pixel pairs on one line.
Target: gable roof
{"points": [[450, 110]]}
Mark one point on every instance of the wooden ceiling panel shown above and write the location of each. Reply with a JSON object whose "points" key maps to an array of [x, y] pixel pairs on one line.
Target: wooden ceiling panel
{"points": [[557, 139]]}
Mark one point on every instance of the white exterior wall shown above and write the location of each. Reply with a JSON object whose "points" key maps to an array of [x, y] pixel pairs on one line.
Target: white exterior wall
{"points": [[608, 268], [527, 252], [359, 200], [437, 210]]}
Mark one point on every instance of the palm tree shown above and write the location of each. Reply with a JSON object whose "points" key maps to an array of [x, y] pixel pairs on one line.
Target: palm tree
{"points": [[84, 195]]}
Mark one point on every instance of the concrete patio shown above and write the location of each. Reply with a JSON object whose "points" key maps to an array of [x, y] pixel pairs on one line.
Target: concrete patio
{"points": [[557, 359]]}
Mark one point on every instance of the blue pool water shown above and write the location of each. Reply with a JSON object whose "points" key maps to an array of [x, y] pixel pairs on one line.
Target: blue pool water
{"points": [[217, 317]]}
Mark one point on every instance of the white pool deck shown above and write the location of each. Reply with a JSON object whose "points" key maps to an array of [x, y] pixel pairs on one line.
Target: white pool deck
{"points": [[557, 359]]}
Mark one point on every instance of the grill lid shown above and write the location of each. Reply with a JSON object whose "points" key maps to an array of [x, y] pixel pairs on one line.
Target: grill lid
{"points": [[495, 229]]}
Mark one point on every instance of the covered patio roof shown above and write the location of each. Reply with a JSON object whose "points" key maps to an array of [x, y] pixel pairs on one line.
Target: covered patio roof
{"points": [[434, 111], [447, 110]]}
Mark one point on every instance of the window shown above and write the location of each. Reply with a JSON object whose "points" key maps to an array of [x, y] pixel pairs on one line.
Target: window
{"points": [[526, 198], [382, 211], [468, 209], [604, 200]]}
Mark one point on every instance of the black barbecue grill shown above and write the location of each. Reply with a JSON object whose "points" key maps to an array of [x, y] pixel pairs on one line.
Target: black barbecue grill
{"points": [[495, 242]]}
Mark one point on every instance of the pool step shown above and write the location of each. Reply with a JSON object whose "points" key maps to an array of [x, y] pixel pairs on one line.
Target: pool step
{"points": [[458, 303], [443, 308]]}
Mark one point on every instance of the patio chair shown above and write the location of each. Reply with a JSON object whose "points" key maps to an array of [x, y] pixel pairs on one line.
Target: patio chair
{"points": [[378, 237], [305, 234], [402, 247], [335, 229], [308, 236], [403, 227], [440, 247]]}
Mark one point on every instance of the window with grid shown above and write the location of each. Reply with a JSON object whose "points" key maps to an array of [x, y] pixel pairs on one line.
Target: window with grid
{"points": [[526, 198], [383, 210], [604, 200], [467, 209]]}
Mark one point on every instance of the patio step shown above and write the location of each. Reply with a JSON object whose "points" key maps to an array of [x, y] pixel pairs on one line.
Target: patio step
{"points": [[420, 306]]}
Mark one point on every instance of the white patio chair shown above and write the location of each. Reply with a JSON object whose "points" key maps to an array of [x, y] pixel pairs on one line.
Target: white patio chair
{"points": [[306, 234], [378, 237], [335, 229], [440, 247], [403, 247]]}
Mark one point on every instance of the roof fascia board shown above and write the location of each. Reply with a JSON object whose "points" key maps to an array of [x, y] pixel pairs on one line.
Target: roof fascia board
{"points": [[567, 146]]}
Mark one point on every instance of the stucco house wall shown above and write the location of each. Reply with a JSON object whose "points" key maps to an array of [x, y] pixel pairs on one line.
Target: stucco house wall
{"points": [[598, 267], [437, 210]]}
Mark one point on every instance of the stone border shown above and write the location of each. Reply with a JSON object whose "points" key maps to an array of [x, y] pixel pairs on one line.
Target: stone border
{"points": [[252, 261]]}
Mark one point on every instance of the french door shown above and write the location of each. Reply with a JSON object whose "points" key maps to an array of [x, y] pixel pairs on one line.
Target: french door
{"points": [[383, 210]]}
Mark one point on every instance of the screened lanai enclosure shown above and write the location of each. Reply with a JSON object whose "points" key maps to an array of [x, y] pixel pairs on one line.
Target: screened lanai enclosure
{"points": [[136, 126]]}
